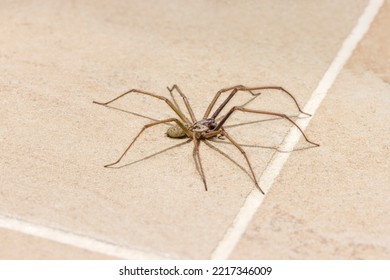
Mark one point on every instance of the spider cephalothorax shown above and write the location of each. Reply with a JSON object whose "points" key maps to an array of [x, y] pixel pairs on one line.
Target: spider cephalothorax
{"points": [[207, 127], [204, 125], [199, 127]]}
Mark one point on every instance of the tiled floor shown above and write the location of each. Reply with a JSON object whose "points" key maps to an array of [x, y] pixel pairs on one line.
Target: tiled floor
{"points": [[338, 205], [56, 58], [16, 245]]}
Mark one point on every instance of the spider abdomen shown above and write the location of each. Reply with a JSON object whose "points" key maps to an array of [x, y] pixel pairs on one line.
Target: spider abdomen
{"points": [[176, 132]]}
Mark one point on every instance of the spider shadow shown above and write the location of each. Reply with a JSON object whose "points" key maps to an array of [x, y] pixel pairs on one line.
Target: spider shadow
{"points": [[207, 142], [263, 147], [226, 126], [276, 148], [152, 155], [228, 157], [196, 162]]}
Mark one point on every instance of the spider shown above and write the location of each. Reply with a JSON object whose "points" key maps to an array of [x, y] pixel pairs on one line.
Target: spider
{"points": [[209, 126]]}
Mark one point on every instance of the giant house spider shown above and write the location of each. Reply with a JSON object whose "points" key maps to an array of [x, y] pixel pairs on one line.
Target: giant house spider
{"points": [[208, 127]]}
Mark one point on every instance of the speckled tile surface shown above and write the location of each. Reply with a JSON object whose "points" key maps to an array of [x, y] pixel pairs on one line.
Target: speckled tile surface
{"points": [[333, 203], [19, 246], [57, 57]]}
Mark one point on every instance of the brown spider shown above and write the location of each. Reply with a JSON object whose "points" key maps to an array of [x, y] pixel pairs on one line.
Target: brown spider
{"points": [[207, 127]]}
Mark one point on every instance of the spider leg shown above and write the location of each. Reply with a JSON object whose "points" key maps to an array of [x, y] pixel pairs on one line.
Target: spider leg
{"points": [[197, 160], [275, 88], [189, 134], [170, 104], [185, 101], [243, 88], [207, 113], [212, 146], [220, 124], [243, 105], [234, 91], [224, 133]]}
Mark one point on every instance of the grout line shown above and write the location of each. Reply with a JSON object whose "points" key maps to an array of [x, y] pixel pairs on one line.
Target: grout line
{"points": [[255, 199], [75, 240]]}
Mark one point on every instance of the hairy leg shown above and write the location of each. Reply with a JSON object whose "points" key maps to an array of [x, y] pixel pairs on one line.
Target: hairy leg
{"points": [[197, 157], [192, 115], [276, 88], [224, 133], [248, 89], [189, 134], [170, 104], [217, 95], [243, 105], [220, 124]]}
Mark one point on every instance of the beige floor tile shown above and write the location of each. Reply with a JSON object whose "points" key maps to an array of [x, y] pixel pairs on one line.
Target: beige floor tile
{"points": [[333, 202], [57, 57], [17, 246], [373, 54]]}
